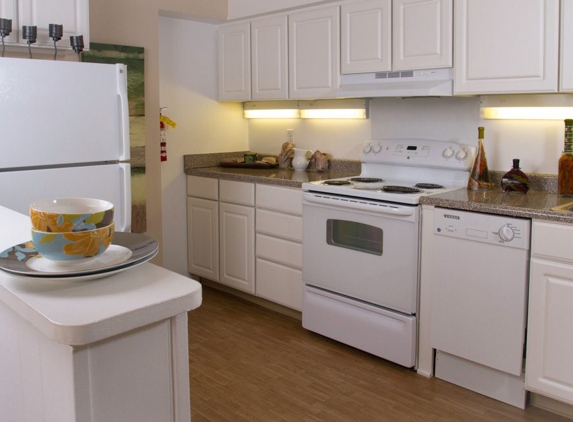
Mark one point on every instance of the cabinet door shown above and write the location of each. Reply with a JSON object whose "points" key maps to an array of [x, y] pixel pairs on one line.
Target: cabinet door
{"points": [[9, 10], [422, 34], [366, 36], [234, 72], [203, 237], [549, 362], [237, 246], [72, 14], [314, 53], [498, 50], [269, 75], [566, 82]]}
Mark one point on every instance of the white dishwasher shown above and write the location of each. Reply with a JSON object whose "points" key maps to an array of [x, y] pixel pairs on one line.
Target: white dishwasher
{"points": [[479, 301]]}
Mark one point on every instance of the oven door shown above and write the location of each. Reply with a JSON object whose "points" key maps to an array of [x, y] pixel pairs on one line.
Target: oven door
{"points": [[362, 249]]}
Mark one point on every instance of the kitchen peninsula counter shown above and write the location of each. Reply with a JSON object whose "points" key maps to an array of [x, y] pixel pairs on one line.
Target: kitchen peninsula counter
{"points": [[208, 165]]}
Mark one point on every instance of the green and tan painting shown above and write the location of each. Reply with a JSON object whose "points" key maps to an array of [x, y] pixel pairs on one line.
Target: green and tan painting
{"points": [[133, 57]]}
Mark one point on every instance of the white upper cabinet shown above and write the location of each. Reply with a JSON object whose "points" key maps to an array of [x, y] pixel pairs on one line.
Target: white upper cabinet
{"points": [[422, 34], [366, 36], [314, 53], [234, 73], [566, 74], [269, 44], [384, 35], [508, 46], [72, 14]]}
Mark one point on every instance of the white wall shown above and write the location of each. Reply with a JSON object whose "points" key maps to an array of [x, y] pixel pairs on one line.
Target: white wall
{"points": [[537, 143], [188, 87]]}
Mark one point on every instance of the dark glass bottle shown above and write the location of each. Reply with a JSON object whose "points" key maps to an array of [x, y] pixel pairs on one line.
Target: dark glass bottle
{"points": [[515, 180], [479, 174], [565, 170]]}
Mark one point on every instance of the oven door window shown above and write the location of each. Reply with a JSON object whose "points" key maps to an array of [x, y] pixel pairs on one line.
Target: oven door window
{"points": [[353, 235]]}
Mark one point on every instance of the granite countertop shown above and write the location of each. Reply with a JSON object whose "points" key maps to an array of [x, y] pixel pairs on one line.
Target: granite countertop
{"points": [[208, 165], [537, 203], [534, 204]]}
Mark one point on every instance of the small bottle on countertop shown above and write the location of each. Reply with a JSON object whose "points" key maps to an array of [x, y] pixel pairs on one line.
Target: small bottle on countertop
{"points": [[479, 174], [515, 180], [565, 170]]}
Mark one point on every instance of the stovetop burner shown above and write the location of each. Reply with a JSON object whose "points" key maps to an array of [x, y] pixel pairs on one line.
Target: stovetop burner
{"points": [[400, 189], [336, 182], [428, 186]]}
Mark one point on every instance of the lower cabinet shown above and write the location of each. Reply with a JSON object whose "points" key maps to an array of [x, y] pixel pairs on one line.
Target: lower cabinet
{"points": [[549, 362], [279, 245], [237, 246], [247, 236]]}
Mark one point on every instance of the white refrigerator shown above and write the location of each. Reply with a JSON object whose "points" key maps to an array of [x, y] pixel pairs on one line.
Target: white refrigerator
{"points": [[64, 132]]}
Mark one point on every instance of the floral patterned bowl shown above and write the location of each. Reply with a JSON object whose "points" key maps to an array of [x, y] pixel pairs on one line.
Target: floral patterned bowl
{"points": [[73, 247], [70, 214]]}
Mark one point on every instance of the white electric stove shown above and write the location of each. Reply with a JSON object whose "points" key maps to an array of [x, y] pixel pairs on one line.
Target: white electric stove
{"points": [[361, 244]]}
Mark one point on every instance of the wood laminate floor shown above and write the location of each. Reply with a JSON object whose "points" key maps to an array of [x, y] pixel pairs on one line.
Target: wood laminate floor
{"points": [[250, 364]]}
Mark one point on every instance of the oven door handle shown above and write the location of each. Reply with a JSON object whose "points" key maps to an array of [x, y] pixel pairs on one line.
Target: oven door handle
{"points": [[357, 204]]}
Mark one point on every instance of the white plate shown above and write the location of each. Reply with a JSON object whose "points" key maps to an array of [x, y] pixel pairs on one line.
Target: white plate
{"points": [[127, 250]]}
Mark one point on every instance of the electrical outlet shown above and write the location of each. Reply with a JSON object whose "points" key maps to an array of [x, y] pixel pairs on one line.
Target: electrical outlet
{"points": [[290, 135]]}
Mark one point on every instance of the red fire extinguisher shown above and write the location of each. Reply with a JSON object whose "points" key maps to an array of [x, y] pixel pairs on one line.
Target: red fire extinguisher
{"points": [[164, 120], [163, 141]]}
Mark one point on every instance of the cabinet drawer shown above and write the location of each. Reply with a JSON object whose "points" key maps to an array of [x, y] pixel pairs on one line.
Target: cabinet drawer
{"points": [[237, 192], [277, 224], [203, 187], [552, 240], [279, 250], [280, 199], [279, 284]]}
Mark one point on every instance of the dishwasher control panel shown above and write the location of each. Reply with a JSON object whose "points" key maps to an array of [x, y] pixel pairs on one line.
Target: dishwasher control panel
{"points": [[487, 228]]}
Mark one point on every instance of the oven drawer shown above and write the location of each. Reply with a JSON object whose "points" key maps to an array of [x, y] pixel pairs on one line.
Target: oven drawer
{"points": [[375, 330]]}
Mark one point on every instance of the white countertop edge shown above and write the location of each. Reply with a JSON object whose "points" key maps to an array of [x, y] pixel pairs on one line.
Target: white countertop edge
{"points": [[89, 320]]}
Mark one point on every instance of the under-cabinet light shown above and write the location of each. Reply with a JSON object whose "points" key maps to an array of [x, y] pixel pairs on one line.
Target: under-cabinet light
{"points": [[317, 109], [335, 109], [527, 113], [272, 114], [271, 110], [326, 113]]}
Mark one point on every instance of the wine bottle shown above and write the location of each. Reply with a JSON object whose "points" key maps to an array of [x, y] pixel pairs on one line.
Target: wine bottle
{"points": [[515, 180], [565, 169], [479, 174]]}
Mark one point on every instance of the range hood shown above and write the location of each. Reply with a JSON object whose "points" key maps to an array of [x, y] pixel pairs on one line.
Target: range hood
{"points": [[412, 83]]}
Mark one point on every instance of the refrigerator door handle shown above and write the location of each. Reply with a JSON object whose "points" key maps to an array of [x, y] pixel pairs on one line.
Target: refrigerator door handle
{"points": [[125, 194], [123, 112]]}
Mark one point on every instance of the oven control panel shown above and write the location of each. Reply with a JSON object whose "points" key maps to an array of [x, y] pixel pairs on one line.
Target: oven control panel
{"points": [[440, 154]]}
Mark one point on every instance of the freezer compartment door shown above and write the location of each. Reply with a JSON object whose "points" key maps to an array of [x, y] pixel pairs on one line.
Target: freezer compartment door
{"points": [[62, 113], [111, 182]]}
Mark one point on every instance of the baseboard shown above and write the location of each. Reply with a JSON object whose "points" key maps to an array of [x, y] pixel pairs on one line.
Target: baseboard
{"points": [[253, 299], [551, 405]]}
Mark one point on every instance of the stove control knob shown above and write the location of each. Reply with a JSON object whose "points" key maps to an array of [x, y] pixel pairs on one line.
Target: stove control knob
{"points": [[461, 155], [367, 148], [376, 148], [448, 153], [506, 234]]}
